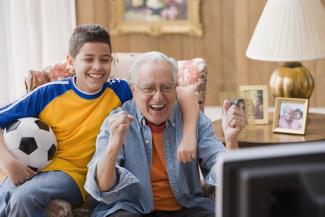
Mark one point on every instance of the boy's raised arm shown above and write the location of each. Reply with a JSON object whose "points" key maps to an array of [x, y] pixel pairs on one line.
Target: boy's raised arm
{"points": [[189, 106]]}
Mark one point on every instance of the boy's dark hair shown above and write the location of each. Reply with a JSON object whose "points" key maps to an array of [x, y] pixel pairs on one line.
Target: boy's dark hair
{"points": [[88, 33]]}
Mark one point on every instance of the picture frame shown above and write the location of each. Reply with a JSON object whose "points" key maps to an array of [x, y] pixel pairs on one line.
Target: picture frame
{"points": [[156, 17], [236, 98], [256, 98], [290, 115]]}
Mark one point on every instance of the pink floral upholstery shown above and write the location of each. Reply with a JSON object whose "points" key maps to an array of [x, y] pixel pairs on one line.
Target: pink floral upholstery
{"points": [[193, 73], [51, 72], [58, 71], [58, 208]]}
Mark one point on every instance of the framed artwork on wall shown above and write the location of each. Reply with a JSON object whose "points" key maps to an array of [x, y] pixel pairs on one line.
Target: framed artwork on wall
{"points": [[256, 96], [290, 115], [156, 17]]}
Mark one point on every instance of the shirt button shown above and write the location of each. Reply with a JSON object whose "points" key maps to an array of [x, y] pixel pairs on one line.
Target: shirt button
{"points": [[147, 141]]}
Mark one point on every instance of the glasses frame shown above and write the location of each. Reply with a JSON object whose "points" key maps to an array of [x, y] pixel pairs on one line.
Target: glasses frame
{"points": [[155, 90]]}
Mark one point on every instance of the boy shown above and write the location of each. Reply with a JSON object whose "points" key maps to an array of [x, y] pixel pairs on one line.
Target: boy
{"points": [[75, 108]]}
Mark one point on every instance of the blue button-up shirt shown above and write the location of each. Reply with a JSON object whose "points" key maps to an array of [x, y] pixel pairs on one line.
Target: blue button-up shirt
{"points": [[132, 191]]}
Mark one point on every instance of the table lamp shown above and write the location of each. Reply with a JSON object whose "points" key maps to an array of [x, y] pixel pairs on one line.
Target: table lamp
{"points": [[290, 31]]}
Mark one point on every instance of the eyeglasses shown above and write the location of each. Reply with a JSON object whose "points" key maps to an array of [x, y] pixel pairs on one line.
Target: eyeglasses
{"points": [[150, 91]]}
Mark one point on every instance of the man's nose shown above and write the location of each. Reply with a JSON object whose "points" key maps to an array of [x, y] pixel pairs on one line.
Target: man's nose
{"points": [[158, 95]]}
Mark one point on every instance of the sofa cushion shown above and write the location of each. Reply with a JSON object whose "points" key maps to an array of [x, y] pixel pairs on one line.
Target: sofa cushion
{"points": [[53, 72]]}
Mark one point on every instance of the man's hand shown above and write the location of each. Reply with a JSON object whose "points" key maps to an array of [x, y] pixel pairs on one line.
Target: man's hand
{"points": [[233, 121], [186, 151], [18, 172], [118, 125]]}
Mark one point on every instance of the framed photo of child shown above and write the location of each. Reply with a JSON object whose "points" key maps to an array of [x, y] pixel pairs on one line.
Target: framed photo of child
{"points": [[290, 115], [257, 97]]}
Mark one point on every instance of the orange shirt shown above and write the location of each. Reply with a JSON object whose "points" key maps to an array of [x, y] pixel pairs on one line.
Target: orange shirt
{"points": [[163, 196]]}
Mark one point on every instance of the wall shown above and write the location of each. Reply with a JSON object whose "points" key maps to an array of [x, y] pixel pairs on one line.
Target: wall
{"points": [[228, 26]]}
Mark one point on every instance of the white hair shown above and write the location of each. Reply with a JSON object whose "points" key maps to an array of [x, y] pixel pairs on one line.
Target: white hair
{"points": [[148, 58]]}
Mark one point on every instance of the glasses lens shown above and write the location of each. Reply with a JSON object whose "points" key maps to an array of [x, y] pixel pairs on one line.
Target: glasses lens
{"points": [[166, 89], [153, 90]]}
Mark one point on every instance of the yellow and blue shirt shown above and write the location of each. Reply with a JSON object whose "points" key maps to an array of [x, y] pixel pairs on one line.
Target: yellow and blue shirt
{"points": [[74, 116]]}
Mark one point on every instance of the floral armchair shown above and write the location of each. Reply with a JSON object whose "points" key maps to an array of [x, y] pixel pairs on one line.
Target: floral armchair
{"points": [[191, 73]]}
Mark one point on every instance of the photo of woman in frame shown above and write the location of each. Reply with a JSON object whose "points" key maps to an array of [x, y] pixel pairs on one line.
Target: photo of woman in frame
{"points": [[258, 104], [257, 96]]}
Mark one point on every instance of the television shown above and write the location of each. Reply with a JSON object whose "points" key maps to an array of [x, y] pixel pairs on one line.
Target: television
{"points": [[272, 181]]}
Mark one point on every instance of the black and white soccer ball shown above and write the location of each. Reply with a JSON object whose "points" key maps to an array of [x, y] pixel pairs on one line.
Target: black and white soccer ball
{"points": [[31, 141]]}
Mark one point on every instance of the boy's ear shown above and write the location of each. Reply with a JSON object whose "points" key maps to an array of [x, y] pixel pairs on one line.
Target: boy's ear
{"points": [[70, 60]]}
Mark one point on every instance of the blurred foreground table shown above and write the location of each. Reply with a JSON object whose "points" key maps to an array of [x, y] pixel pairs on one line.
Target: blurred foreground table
{"points": [[257, 135]]}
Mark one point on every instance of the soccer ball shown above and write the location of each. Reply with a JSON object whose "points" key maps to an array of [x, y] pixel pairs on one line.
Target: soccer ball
{"points": [[31, 141]]}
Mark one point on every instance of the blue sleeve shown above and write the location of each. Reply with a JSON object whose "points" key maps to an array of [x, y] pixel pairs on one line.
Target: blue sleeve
{"points": [[121, 89], [32, 104], [124, 177], [208, 149], [28, 106]]}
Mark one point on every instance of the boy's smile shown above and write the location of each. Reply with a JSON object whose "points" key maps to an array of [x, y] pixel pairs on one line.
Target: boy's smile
{"points": [[92, 66]]}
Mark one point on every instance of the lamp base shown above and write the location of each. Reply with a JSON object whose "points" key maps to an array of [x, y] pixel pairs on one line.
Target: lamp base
{"points": [[292, 80]]}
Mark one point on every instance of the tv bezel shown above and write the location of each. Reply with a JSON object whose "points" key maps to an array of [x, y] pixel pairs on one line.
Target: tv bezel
{"points": [[258, 153]]}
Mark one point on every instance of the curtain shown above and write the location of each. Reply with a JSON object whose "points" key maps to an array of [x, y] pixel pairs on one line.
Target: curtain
{"points": [[33, 33]]}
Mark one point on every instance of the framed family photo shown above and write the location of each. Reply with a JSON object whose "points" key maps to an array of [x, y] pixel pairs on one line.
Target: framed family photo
{"points": [[156, 17], [290, 115], [256, 97]]}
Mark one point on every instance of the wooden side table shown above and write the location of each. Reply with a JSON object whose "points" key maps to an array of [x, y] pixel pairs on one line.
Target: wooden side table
{"points": [[257, 135]]}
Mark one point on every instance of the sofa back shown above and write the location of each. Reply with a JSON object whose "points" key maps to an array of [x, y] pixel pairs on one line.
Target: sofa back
{"points": [[191, 73]]}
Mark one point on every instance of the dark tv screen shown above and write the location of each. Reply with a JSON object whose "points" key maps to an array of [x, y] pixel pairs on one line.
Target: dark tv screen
{"points": [[279, 181]]}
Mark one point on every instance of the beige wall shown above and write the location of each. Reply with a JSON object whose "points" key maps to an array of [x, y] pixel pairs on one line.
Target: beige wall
{"points": [[228, 26]]}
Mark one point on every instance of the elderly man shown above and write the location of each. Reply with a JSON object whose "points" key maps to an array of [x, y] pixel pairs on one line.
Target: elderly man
{"points": [[135, 171]]}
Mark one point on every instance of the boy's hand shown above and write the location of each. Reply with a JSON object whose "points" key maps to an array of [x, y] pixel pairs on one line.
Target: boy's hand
{"points": [[233, 121], [19, 173], [188, 101], [186, 151]]}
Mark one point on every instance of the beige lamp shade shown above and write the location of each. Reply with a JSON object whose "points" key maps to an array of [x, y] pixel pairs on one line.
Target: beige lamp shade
{"points": [[290, 31]]}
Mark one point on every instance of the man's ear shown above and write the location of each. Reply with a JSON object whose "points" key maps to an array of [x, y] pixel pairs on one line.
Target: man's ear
{"points": [[132, 88]]}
